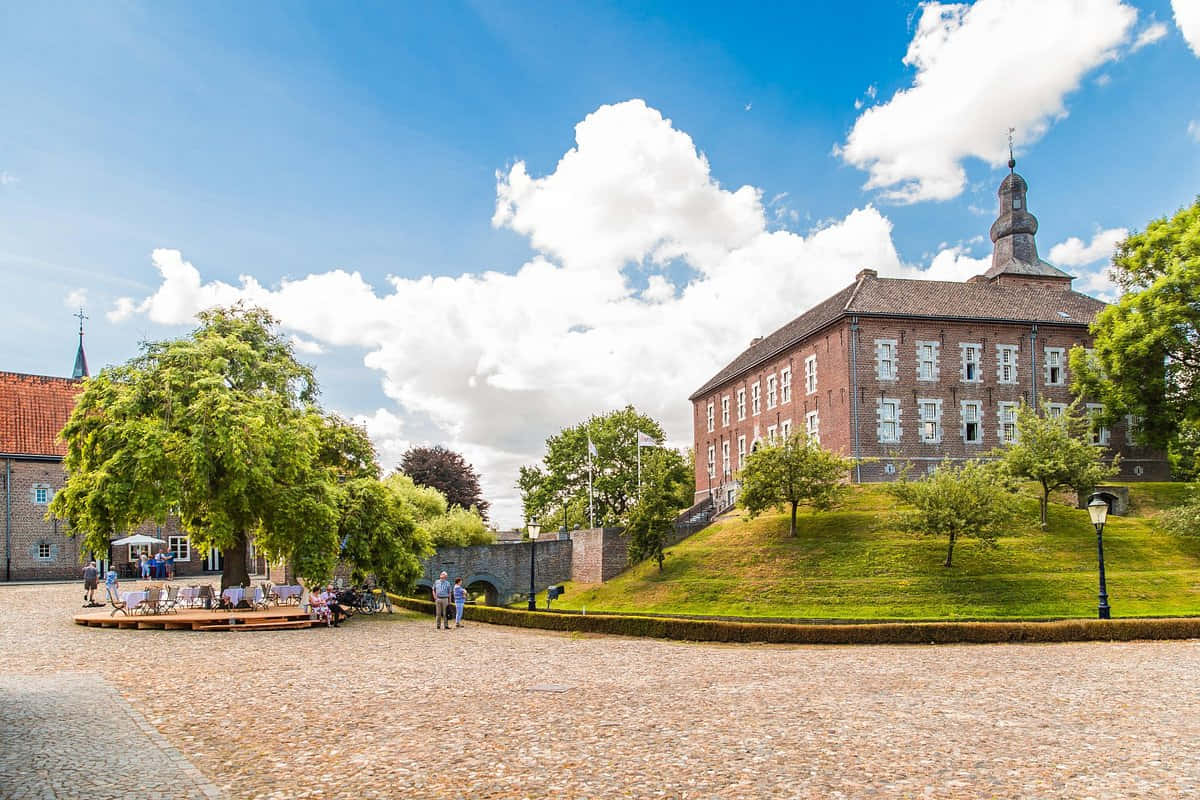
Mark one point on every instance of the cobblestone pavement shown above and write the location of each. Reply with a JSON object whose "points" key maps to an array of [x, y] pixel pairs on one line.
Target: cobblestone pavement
{"points": [[388, 707], [70, 735]]}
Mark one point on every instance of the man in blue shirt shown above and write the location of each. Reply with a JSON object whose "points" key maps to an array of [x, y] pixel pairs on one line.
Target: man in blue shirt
{"points": [[441, 600]]}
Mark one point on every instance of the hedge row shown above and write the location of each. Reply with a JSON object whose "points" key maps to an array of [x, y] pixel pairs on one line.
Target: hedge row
{"points": [[712, 630]]}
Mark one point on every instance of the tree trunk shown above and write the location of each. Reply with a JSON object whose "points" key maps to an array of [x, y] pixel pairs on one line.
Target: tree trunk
{"points": [[235, 572], [792, 531], [949, 551], [1045, 503]]}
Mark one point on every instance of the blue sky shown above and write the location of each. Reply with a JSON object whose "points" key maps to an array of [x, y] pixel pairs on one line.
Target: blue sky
{"points": [[287, 140]]}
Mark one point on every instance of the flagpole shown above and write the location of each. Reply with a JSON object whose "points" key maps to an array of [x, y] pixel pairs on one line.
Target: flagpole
{"points": [[639, 459], [591, 488]]}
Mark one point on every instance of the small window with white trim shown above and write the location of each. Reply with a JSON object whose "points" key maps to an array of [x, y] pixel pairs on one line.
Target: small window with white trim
{"points": [[972, 354], [927, 361], [741, 451], [181, 547], [812, 426], [785, 428], [785, 385], [972, 430], [1055, 410], [772, 392], [1055, 362], [711, 417], [885, 359], [1007, 430], [41, 495], [726, 467], [888, 417], [712, 461], [725, 411], [771, 433], [741, 403], [756, 399], [930, 412], [1006, 363], [810, 375], [43, 551], [1099, 432]]}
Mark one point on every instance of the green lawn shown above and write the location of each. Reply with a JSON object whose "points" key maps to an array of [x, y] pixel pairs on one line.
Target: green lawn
{"points": [[855, 564]]}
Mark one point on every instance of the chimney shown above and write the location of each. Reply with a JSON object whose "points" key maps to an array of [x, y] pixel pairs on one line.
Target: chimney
{"points": [[866, 273]]}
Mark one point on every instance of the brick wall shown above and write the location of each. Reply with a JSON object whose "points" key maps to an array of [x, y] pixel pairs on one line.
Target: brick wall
{"points": [[599, 554], [504, 566]]}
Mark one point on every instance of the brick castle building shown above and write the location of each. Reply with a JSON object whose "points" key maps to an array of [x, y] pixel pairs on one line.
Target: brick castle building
{"points": [[33, 409], [911, 371]]}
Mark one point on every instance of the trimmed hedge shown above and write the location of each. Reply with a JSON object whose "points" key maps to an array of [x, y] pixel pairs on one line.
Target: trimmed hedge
{"points": [[713, 630]]}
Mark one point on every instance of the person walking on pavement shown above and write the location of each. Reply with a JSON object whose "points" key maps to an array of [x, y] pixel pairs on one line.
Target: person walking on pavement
{"points": [[460, 597], [441, 600], [91, 578]]}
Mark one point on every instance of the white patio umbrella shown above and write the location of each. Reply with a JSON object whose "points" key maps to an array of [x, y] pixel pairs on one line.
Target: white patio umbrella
{"points": [[139, 538]]}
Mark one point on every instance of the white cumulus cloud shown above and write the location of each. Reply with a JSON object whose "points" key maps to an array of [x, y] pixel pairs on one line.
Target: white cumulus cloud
{"points": [[1074, 252], [649, 277], [1187, 19], [1148, 35], [980, 69], [75, 299]]}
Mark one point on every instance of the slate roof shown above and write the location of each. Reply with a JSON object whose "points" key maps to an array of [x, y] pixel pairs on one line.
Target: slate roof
{"points": [[1017, 267], [33, 409], [903, 297]]}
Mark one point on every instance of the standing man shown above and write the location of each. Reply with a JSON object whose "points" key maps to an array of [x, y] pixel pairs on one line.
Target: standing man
{"points": [[441, 600], [91, 578]]}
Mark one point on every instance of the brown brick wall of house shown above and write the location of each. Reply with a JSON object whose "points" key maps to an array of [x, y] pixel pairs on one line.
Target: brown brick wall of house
{"points": [[833, 399], [598, 554]]}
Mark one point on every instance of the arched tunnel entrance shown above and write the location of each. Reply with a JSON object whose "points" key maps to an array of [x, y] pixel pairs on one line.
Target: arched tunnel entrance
{"points": [[483, 590]]}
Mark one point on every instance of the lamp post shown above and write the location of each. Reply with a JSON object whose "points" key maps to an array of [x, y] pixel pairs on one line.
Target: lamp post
{"points": [[1098, 510], [534, 530]]}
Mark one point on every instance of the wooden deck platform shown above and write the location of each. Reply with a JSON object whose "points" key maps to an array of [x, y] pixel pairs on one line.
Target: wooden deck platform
{"points": [[199, 619]]}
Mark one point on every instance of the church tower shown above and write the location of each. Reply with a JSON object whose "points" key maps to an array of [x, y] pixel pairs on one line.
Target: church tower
{"points": [[1015, 258], [81, 365]]}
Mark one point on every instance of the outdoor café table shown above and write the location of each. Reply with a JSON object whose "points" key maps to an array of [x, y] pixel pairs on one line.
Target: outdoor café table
{"points": [[285, 593], [134, 599], [188, 595], [234, 594]]}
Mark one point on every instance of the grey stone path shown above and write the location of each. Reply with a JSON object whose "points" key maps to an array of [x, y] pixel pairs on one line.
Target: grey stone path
{"points": [[70, 735]]}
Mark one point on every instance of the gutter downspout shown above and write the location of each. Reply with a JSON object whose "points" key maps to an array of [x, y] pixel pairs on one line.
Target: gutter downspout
{"points": [[1033, 378], [854, 397], [7, 519]]}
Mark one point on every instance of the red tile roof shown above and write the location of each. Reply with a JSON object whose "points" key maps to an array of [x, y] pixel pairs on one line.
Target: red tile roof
{"points": [[33, 409], [905, 297]]}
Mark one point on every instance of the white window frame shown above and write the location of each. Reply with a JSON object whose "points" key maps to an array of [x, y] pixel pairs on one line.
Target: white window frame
{"points": [[711, 416], [785, 429], [1060, 357], [181, 553], [810, 374], [741, 451], [1007, 356], [929, 412], [725, 411], [1006, 414], [741, 404], [886, 353], [785, 385], [976, 418], [928, 355], [756, 398], [726, 467], [772, 391], [1132, 423], [771, 434], [41, 495], [45, 551], [712, 461], [812, 426], [883, 419], [1055, 410], [1100, 434], [969, 349]]}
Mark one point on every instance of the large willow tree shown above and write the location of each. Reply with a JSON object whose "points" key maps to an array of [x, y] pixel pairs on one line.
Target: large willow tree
{"points": [[222, 428]]}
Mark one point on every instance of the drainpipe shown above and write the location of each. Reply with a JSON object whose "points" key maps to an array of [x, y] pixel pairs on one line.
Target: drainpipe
{"points": [[1033, 378], [8, 519], [854, 396]]}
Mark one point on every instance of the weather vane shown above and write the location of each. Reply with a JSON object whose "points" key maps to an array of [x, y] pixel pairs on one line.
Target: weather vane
{"points": [[82, 317], [1012, 162]]}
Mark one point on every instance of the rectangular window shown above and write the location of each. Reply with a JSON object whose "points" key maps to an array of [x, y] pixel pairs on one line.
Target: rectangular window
{"points": [[1006, 363], [772, 392], [1099, 432], [888, 416], [726, 468], [181, 547], [1133, 424], [41, 496], [785, 385], [725, 411], [1055, 410], [972, 430], [972, 355], [771, 430], [711, 417], [785, 428], [812, 426], [741, 403], [927, 361], [1055, 358], [810, 375], [741, 451], [712, 461], [44, 551], [1007, 414], [755, 399], [885, 359], [930, 412]]}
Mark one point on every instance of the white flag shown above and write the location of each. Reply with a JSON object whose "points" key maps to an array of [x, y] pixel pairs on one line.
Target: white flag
{"points": [[646, 441], [592, 449]]}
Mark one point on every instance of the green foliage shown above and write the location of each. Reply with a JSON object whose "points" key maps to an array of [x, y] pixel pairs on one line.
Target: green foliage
{"points": [[1147, 345], [379, 534], [1056, 452], [448, 472], [562, 478], [425, 501], [1184, 519], [796, 471], [970, 499], [651, 521], [458, 527]]}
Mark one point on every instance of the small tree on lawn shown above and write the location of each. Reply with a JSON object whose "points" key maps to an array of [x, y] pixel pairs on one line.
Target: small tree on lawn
{"points": [[971, 499], [1056, 451], [652, 518], [793, 472]]}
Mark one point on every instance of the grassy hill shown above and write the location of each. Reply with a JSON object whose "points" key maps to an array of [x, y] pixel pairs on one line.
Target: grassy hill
{"points": [[855, 563]]}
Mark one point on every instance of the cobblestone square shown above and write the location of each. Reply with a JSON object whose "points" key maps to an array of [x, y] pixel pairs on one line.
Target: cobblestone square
{"points": [[389, 707]]}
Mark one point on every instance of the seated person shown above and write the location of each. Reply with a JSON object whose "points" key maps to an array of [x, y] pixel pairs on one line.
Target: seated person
{"points": [[317, 605], [331, 602]]}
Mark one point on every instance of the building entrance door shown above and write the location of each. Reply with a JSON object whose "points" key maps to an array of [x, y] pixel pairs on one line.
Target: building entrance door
{"points": [[214, 562]]}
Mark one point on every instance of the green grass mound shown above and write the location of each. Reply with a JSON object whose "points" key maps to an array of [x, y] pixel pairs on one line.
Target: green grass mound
{"points": [[855, 563]]}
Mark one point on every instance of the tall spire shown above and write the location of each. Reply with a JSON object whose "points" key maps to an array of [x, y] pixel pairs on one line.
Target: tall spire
{"points": [[81, 367], [1015, 250]]}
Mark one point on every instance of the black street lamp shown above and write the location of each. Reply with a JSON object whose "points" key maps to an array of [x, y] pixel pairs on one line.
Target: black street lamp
{"points": [[534, 530], [1098, 510]]}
